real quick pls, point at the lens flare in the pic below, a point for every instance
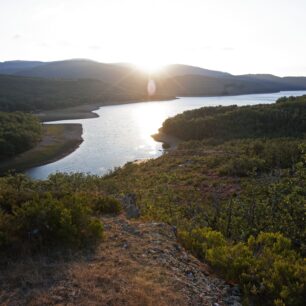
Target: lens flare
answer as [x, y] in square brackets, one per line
[151, 87]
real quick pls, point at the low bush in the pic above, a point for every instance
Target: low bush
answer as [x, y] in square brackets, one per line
[46, 222]
[267, 268]
[106, 205]
[242, 166]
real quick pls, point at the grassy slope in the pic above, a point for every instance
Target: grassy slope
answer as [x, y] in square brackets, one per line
[58, 141]
[138, 264]
[172, 182]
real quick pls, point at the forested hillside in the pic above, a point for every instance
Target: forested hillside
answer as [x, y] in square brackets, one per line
[18, 133]
[286, 118]
[34, 94]
[32, 86]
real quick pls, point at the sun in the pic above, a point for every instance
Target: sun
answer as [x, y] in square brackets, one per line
[149, 66]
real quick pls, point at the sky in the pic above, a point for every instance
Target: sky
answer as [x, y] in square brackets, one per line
[236, 36]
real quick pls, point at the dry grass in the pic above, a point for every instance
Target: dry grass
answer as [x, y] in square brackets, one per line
[136, 265]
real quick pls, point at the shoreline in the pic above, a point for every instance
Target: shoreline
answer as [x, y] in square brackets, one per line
[58, 141]
[169, 142]
[64, 145]
[86, 111]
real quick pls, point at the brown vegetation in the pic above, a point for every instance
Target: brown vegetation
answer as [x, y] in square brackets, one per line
[137, 264]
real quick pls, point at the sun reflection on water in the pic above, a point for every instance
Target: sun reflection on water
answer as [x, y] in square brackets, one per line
[149, 118]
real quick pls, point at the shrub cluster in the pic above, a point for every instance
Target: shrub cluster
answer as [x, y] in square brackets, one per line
[46, 222]
[106, 205]
[245, 157]
[266, 266]
[38, 215]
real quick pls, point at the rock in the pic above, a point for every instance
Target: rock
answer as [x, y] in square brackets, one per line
[235, 290]
[190, 274]
[125, 245]
[177, 247]
[232, 301]
[130, 205]
[174, 228]
[131, 229]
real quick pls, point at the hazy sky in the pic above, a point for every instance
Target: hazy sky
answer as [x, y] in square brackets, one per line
[237, 36]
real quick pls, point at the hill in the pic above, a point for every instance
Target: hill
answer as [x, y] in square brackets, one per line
[174, 80]
[78, 69]
[284, 118]
[198, 85]
[12, 67]
[35, 94]
[84, 69]
[137, 264]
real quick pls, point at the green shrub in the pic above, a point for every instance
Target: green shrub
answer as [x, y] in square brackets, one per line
[278, 272]
[266, 267]
[242, 166]
[46, 222]
[106, 205]
[200, 240]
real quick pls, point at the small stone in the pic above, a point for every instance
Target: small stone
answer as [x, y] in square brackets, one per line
[177, 247]
[130, 204]
[190, 274]
[125, 245]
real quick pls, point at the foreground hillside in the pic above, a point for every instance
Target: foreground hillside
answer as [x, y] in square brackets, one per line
[237, 203]
[136, 264]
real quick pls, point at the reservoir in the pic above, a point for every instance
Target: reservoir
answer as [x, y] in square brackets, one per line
[122, 133]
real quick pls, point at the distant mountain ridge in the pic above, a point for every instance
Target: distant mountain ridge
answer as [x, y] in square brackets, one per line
[174, 80]
[13, 67]
[84, 68]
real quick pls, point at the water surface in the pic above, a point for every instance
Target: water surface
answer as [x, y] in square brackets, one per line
[122, 133]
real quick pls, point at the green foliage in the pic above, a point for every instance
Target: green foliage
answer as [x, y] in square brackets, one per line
[218, 212]
[241, 166]
[267, 268]
[106, 205]
[18, 132]
[34, 215]
[201, 240]
[285, 119]
[46, 222]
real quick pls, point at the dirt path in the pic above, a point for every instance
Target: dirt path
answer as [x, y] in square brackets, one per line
[138, 264]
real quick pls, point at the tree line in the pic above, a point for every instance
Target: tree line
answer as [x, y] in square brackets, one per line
[286, 118]
[18, 133]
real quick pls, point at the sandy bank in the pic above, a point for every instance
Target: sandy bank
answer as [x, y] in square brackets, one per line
[58, 141]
